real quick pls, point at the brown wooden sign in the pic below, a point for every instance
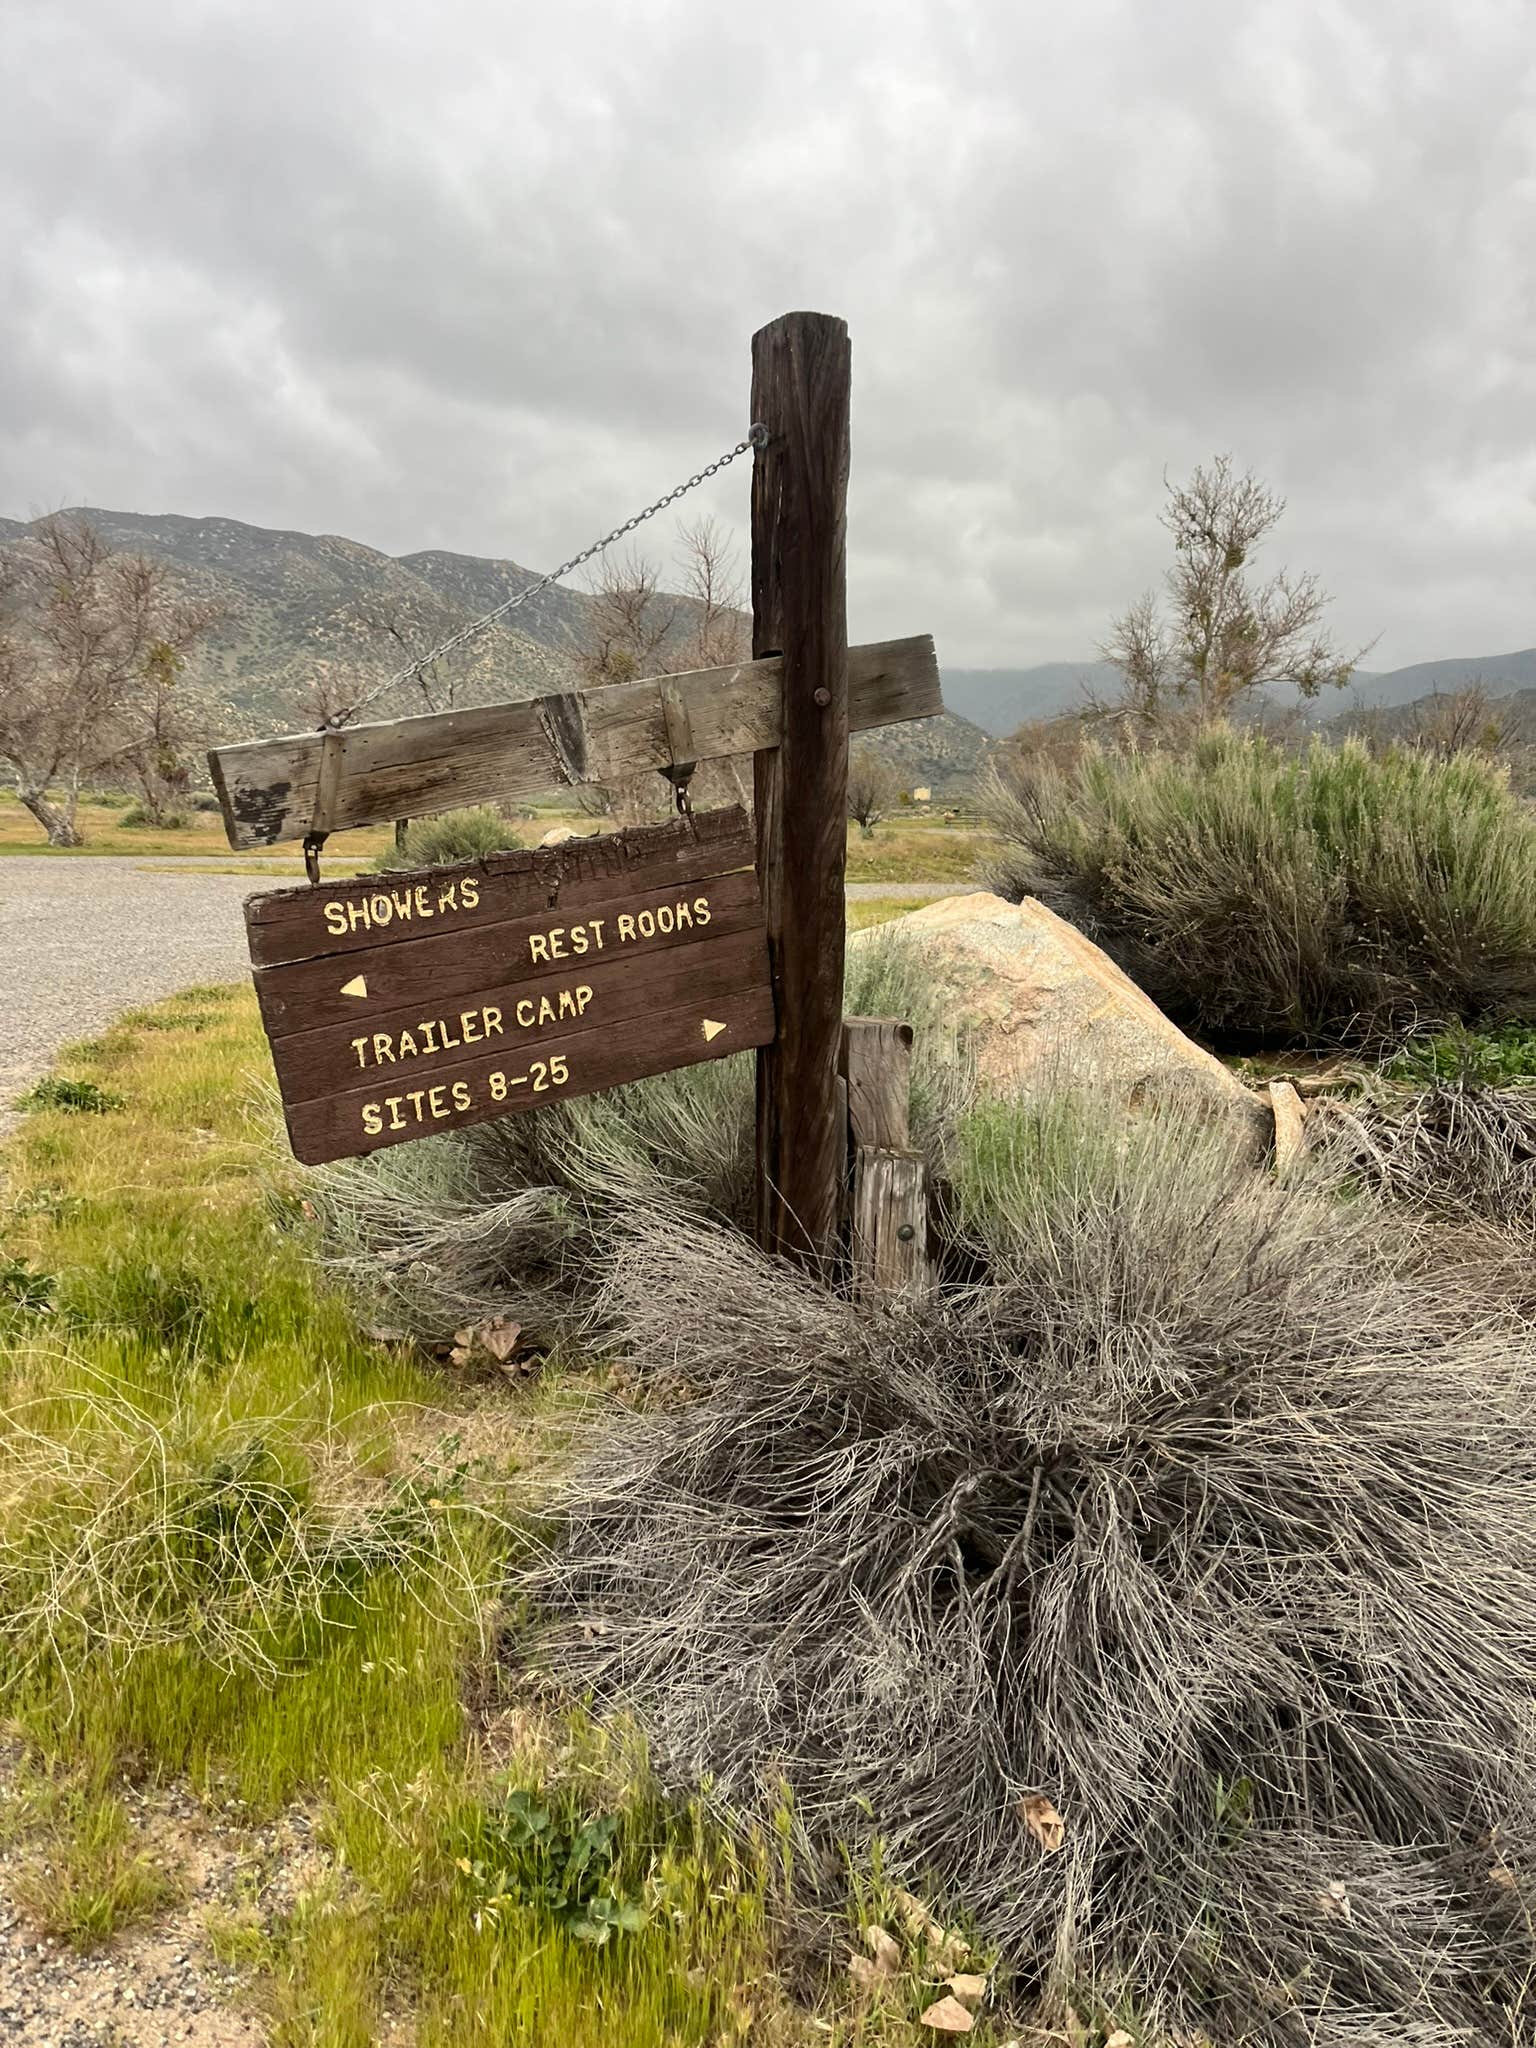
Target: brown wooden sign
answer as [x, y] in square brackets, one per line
[402, 1004]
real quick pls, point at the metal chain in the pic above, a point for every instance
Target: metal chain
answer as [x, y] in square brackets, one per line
[757, 436]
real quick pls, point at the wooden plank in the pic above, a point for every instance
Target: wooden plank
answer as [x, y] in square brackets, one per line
[409, 767]
[890, 1225]
[343, 917]
[392, 1048]
[368, 1119]
[305, 994]
[801, 375]
[876, 1062]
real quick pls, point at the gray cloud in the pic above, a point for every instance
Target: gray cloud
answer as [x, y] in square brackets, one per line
[483, 277]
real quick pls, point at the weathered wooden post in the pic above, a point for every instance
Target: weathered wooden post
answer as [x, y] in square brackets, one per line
[888, 1210]
[801, 376]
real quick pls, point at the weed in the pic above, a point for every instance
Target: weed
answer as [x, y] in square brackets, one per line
[86, 1880]
[23, 1290]
[74, 1098]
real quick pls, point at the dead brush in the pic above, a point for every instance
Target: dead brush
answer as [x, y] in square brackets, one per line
[1205, 1518]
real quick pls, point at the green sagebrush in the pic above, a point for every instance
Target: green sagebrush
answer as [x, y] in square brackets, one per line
[452, 836]
[1268, 896]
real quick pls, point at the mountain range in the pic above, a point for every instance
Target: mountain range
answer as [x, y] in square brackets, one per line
[295, 607]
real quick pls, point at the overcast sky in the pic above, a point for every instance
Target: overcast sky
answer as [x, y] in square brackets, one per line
[483, 276]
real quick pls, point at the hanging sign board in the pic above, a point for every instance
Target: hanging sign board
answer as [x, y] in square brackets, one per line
[398, 1005]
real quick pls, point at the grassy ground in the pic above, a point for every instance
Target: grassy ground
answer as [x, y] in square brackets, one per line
[918, 849]
[247, 1552]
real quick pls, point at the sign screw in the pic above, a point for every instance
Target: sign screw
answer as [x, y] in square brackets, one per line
[906, 1232]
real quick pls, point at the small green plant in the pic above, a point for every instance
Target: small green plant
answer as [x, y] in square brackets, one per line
[74, 1098]
[453, 836]
[85, 1880]
[1487, 1059]
[541, 1851]
[23, 1290]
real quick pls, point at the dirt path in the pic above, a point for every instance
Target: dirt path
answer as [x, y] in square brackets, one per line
[83, 940]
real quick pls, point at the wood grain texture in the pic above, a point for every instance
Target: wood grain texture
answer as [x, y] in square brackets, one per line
[340, 1126]
[890, 1225]
[306, 994]
[270, 790]
[391, 1048]
[293, 924]
[801, 377]
[876, 1063]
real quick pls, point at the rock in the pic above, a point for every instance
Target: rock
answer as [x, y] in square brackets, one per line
[559, 836]
[1039, 997]
[1290, 1114]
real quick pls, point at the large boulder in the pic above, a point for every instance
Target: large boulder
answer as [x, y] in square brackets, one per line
[1039, 998]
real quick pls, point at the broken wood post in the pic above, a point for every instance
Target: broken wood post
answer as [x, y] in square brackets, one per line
[888, 1225]
[801, 374]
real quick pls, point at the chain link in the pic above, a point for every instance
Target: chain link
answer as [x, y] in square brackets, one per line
[757, 436]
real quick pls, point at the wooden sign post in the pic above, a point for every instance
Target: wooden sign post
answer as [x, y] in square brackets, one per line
[800, 391]
[402, 1004]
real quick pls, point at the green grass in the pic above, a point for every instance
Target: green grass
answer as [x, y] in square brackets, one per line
[871, 910]
[244, 1549]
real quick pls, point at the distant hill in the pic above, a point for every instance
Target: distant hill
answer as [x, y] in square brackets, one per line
[999, 700]
[296, 603]
[1498, 674]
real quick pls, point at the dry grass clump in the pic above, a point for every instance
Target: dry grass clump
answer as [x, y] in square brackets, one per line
[1269, 896]
[128, 1524]
[1203, 1521]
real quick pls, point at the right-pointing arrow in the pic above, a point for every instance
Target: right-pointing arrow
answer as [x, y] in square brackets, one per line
[711, 1029]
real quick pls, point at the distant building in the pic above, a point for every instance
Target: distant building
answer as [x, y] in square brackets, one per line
[922, 795]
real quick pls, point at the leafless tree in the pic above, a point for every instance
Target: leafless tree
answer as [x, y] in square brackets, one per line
[163, 723]
[633, 618]
[873, 786]
[1223, 635]
[87, 637]
[638, 629]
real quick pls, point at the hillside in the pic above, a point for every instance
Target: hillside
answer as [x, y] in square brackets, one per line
[999, 700]
[296, 605]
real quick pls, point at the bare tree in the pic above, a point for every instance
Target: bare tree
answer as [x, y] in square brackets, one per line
[640, 630]
[712, 579]
[633, 618]
[84, 633]
[873, 786]
[164, 721]
[1224, 636]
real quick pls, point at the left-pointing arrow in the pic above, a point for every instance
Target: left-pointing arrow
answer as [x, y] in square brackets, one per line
[357, 986]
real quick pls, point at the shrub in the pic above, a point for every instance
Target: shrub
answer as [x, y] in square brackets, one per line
[1265, 896]
[1200, 1526]
[451, 836]
[137, 818]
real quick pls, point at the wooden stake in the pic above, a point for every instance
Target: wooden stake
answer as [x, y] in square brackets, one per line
[800, 391]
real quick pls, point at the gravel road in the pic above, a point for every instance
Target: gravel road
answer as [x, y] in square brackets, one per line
[83, 940]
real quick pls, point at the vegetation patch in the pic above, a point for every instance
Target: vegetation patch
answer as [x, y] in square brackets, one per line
[72, 1097]
[1265, 896]
[449, 837]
